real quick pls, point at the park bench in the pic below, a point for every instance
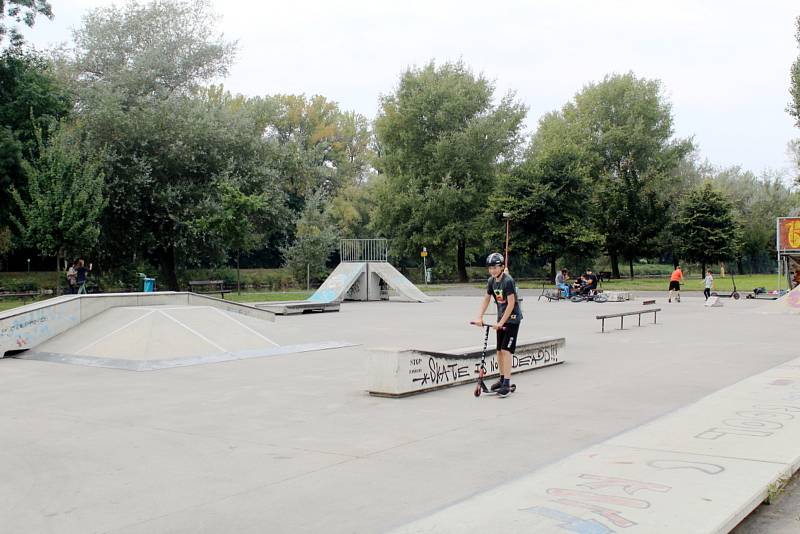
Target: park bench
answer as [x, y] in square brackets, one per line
[604, 276]
[622, 316]
[210, 286]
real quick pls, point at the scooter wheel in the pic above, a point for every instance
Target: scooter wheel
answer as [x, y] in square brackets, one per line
[513, 387]
[477, 392]
[735, 295]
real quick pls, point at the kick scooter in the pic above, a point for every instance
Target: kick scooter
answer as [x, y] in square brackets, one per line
[481, 387]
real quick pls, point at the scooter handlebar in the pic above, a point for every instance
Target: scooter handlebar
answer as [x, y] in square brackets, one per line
[485, 324]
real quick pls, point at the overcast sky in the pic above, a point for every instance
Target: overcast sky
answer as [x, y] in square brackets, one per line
[724, 64]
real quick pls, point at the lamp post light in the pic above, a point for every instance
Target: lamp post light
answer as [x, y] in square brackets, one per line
[29, 265]
[507, 217]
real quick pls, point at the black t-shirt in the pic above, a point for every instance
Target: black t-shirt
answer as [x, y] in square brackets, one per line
[82, 272]
[500, 292]
[592, 280]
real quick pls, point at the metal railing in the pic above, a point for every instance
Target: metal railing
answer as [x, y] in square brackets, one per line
[352, 250]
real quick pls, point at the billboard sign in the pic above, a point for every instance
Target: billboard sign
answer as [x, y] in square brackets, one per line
[788, 234]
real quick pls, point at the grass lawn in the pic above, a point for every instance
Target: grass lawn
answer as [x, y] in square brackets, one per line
[9, 303]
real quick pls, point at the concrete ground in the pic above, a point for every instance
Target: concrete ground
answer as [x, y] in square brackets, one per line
[292, 442]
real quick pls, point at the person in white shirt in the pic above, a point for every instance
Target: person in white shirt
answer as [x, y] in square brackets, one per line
[709, 283]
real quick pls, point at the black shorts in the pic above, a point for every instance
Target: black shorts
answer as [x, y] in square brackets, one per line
[507, 338]
[674, 284]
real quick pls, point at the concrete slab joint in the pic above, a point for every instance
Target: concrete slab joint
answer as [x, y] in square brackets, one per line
[399, 372]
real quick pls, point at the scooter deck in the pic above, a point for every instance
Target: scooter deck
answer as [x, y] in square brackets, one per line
[479, 391]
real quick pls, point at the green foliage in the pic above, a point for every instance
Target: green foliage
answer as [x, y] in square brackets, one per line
[61, 211]
[547, 196]
[150, 50]
[756, 203]
[706, 228]
[6, 240]
[315, 241]
[31, 100]
[442, 144]
[623, 126]
[313, 145]
[349, 211]
[21, 11]
[188, 174]
[794, 85]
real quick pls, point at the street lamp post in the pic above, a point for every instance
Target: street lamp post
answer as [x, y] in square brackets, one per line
[29, 265]
[507, 217]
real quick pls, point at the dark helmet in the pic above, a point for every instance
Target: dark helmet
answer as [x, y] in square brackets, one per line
[495, 258]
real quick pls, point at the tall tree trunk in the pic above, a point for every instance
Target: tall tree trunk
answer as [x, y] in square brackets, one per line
[168, 264]
[739, 264]
[614, 264]
[630, 263]
[461, 260]
[703, 271]
[553, 267]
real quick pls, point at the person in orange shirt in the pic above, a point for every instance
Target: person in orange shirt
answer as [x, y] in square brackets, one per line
[675, 284]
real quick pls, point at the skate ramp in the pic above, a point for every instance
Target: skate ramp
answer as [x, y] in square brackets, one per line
[338, 282]
[359, 281]
[789, 303]
[144, 338]
[402, 285]
[27, 327]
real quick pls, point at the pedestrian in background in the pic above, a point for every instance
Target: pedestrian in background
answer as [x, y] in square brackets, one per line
[675, 284]
[708, 282]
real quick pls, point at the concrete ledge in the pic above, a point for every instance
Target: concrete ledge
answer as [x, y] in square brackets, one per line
[399, 373]
[27, 326]
[300, 306]
[700, 469]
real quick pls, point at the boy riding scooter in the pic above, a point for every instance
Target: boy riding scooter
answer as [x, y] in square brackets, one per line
[502, 289]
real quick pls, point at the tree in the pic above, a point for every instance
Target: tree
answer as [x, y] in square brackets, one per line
[706, 228]
[442, 145]
[150, 50]
[174, 149]
[756, 202]
[546, 197]
[794, 86]
[313, 144]
[793, 149]
[236, 220]
[315, 241]
[24, 11]
[60, 213]
[31, 101]
[624, 127]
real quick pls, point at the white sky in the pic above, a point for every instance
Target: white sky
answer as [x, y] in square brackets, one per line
[724, 64]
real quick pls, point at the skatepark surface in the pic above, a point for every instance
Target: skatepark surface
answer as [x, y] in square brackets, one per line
[292, 443]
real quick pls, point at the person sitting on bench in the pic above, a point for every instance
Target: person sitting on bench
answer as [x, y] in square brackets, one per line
[561, 283]
[579, 285]
[591, 283]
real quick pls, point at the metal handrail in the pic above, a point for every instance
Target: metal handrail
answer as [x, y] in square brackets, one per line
[357, 250]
